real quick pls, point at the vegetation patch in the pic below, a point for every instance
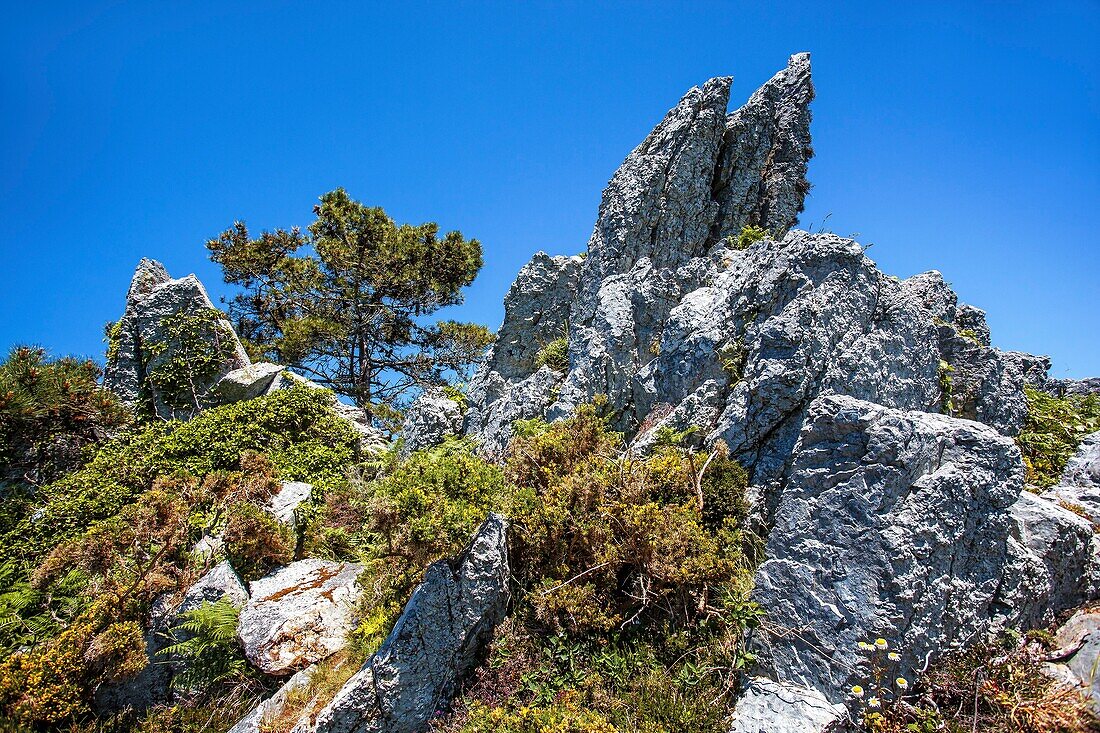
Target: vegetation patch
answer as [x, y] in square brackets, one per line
[554, 354]
[991, 687]
[1053, 431]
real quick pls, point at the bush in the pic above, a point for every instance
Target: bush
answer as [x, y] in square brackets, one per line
[50, 410]
[1053, 431]
[255, 541]
[554, 354]
[747, 236]
[209, 657]
[296, 429]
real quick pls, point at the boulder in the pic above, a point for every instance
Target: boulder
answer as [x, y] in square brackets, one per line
[432, 417]
[1049, 561]
[284, 504]
[766, 706]
[248, 382]
[145, 341]
[299, 614]
[1077, 658]
[437, 641]
[893, 524]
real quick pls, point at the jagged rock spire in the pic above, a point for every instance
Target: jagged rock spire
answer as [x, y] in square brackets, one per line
[702, 174]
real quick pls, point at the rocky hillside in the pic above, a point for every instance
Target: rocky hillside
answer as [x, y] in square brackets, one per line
[716, 473]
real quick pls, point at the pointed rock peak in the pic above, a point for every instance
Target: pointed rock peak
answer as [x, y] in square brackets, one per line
[148, 275]
[761, 177]
[657, 204]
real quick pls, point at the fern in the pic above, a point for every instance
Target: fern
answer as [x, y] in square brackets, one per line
[208, 655]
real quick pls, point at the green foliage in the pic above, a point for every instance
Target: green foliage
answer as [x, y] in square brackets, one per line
[295, 428]
[947, 399]
[748, 235]
[554, 354]
[50, 410]
[733, 357]
[255, 541]
[209, 655]
[350, 313]
[1053, 431]
[183, 365]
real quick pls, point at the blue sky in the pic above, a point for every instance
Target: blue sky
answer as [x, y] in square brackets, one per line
[963, 137]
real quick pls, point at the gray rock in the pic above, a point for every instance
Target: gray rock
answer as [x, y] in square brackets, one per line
[284, 504]
[1078, 655]
[893, 525]
[298, 615]
[1048, 563]
[153, 685]
[676, 326]
[247, 382]
[774, 707]
[436, 642]
[140, 344]
[971, 320]
[1079, 486]
[432, 417]
[264, 714]
[1073, 387]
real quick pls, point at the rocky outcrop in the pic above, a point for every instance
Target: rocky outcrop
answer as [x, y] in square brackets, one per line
[893, 524]
[679, 325]
[766, 706]
[437, 641]
[153, 685]
[429, 420]
[298, 615]
[166, 323]
[248, 382]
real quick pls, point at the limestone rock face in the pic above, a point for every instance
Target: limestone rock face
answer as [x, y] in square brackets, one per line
[298, 615]
[677, 326]
[142, 342]
[766, 706]
[1049, 562]
[893, 524]
[430, 419]
[437, 640]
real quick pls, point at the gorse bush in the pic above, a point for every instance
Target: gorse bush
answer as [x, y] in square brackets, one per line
[554, 354]
[50, 410]
[1053, 431]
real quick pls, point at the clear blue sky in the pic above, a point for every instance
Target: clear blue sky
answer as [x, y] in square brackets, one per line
[963, 137]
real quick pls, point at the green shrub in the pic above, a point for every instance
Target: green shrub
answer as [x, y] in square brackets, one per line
[748, 235]
[554, 354]
[295, 428]
[255, 541]
[1053, 431]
